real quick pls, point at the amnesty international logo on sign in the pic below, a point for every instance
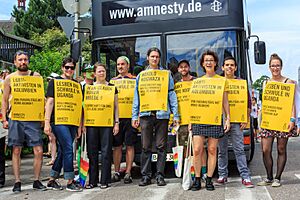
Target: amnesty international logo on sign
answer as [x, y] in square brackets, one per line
[206, 100]
[237, 97]
[125, 96]
[153, 90]
[277, 104]
[99, 105]
[182, 90]
[28, 98]
[68, 102]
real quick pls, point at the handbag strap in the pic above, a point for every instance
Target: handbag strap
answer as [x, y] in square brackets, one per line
[177, 139]
[189, 145]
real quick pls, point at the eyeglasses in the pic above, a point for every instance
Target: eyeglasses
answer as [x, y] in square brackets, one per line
[69, 67]
[209, 61]
[275, 66]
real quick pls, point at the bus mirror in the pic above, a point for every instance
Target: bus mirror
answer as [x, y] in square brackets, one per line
[75, 49]
[260, 52]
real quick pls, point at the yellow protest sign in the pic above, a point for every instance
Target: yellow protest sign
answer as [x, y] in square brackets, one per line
[28, 98]
[238, 100]
[99, 105]
[1, 95]
[182, 90]
[206, 101]
[125, 96]
[68, 102]
[153, 90]
[277, 104]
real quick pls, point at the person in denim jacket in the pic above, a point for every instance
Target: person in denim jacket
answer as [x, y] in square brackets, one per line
[156, 120]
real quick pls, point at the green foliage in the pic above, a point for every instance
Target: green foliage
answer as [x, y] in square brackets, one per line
[258, 84]
[40, 16]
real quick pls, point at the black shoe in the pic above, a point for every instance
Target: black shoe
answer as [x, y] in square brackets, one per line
[196, 185]
[37, 185]
[17, 187]
[160, 181]
[1, 185]
[54, 185]
[145, 181]
[73, 187]
[209, 186]
[116, 177]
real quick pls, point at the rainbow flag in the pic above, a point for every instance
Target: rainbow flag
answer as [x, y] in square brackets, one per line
[175, 159]
[83, 171]
[193, 173]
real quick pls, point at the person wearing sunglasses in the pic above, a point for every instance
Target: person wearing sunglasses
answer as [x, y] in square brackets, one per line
[64, 134]
[22, 130]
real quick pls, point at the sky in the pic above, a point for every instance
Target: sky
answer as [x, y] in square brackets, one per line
[276, 22]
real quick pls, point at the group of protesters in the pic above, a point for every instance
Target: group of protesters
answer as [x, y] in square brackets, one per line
[113, 128]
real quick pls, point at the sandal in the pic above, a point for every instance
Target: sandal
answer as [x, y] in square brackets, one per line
[48, 155]
[104, 186]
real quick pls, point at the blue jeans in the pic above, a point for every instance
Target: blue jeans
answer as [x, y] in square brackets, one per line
[65, 135]
[237, 139]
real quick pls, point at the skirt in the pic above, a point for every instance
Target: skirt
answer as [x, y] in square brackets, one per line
[213, 131]
[265, 133]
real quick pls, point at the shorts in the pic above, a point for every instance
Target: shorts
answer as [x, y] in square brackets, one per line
[183, 135]
[255, 124]
[127, 134]
[21, 131]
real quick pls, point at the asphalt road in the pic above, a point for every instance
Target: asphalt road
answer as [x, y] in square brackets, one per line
[290, 189]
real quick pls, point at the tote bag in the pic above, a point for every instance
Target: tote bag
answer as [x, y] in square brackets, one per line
[84, 162]
[177, 157]
[188, 170]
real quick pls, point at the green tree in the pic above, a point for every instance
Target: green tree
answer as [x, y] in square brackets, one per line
[40, 16]
[258, 84]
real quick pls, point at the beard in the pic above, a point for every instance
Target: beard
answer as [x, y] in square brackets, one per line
[23, 68]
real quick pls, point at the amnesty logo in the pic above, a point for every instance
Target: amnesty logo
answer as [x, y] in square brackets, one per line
[216, 6]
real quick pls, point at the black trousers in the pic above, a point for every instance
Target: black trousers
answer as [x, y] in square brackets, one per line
[159, 127]
[2, 161]
[99, 137]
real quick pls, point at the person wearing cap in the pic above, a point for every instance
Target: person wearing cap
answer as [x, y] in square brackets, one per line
[127, 134]
[156, 121]
[88, 75]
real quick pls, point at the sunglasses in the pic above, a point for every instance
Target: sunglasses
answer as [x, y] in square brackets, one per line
[69, 67]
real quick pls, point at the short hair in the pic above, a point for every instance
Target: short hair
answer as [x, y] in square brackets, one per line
[98, 64]
[20, 52]
[184, 61]
[153, 49]
[275, 56]
[68, 60]
[209, 53]
[125, 58]
[229, 58]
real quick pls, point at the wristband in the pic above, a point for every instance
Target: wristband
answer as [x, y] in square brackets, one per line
[116, 122]
[293, 120]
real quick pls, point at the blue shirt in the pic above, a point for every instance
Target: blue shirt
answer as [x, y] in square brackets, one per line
[160, 114]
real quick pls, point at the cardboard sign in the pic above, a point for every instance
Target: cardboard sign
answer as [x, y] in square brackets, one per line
[99, 105]
[182, 90]
[206, 101]
[238, 100]
[28, 98]
[68, 102]
[277, 104]
[153, 90]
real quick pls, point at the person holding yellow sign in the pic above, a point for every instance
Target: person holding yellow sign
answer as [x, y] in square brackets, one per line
[101, 119]
[125, 84]
[154, 100]
[209, 96]
[269, 134]
[239, 104]
[25, 116]
[62, 121]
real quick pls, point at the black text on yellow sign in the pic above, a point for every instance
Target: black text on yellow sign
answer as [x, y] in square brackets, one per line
[28, 99]
[206, 101]
[125, 96]
[182, 90]
[277, 104]
[99, 105]
[153, 90]
[68, 102]
[238, 100]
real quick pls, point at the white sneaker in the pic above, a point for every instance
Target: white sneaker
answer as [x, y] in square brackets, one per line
[276, 183]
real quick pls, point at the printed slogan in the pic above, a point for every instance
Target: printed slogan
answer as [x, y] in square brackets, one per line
[182, 90]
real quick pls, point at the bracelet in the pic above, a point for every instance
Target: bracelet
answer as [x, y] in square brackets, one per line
[117, 122]
[293, 120]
